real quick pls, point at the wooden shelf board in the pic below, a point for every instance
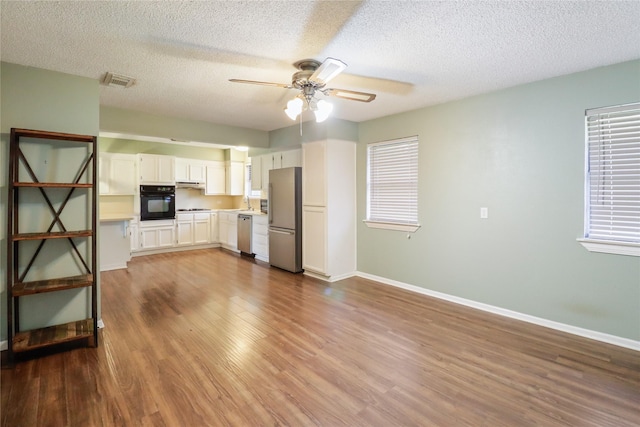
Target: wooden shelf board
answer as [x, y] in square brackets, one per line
[29, 133]
[51, 185]
[51, 285]
[43, 337]
[52, 235]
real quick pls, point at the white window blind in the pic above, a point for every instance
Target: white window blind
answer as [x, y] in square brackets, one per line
[613, 174]
[392, 181]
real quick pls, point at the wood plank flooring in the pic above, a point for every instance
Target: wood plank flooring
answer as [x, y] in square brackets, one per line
[207, 338]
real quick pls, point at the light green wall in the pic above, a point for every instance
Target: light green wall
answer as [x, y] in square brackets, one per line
[38, 99]
[519, 152]
[137, 123]
[289, 137]
[129, 146]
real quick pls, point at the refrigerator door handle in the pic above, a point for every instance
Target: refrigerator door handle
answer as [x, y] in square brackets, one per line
[269, 210]
[271, 230]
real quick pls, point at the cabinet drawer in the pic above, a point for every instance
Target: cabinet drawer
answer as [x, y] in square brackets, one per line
[260, 229]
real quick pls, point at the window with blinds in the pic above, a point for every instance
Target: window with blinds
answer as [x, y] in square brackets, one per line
[613, 174]
[392, 184]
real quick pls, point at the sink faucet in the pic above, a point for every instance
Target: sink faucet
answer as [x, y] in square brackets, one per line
[249, 208]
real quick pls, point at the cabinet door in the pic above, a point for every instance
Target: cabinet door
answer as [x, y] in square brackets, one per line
[184, 230]
[223, 232]
[147, 168]
[313, 174]
[104, 170]
[166, 169]
[291, 158]
[166, 237]
[267, 165]
[123, 175]
[182, 169]
[314, 243]
[201, 233]
[235, 178]
[213, 226]
[256, 173]
[197, 171]
[133, 235]
[215, 178]
[149, 238]
[276, 160]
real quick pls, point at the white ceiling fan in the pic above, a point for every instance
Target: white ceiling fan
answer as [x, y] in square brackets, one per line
[313, 77]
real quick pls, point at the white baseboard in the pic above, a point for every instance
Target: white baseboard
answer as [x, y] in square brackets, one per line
[586, 333]
[329, 278]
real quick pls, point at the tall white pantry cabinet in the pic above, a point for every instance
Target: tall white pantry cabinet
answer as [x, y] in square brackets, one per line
[329, 209]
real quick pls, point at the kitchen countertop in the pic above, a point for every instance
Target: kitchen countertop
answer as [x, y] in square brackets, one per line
[113, 217]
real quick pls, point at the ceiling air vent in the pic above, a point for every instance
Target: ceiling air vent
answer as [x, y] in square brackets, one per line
[118, 80]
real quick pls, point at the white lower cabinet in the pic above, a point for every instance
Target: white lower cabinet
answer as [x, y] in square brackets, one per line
[213, 224]
[201, 224]
[133, 235]
[314, 242]
[160, 235]
[228, 231]
[184, 229]
[260, 237]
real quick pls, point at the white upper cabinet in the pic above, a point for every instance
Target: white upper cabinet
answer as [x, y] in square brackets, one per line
[156, 169]
[190, 170]
[256, 173]
[215, 179]
[277, 160]
[314, 170]
[117, 174]
[234, 175]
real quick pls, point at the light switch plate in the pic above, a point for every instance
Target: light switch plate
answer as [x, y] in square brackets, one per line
[484, 213]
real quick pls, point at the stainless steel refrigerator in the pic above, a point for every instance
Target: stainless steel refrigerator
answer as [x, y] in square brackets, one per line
[285, 218]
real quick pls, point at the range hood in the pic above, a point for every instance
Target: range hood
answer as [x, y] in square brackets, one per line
[190, 184]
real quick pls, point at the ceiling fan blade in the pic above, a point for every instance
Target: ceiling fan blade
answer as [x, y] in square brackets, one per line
[350, 94]
[330, 68]
[254, 82]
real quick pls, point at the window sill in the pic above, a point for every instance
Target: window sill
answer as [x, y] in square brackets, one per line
[610, 247]
[410, 228]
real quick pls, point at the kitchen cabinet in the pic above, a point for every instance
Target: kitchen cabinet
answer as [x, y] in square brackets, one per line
[256, 173]
[329, 209]
[215, 178]
[228, 229]
[117, 174]
[190, 170]
[314, 238]
[213, 227]
[157, 234]
[133, 235]
[260, 237]
[201, 225]
[234, 178]
[155, 169]
[184, 229]
[276, 160]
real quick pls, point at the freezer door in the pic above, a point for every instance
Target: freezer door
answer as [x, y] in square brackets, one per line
[284, 197]
[284, 250]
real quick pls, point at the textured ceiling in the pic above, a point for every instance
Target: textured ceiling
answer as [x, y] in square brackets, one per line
[411, 54]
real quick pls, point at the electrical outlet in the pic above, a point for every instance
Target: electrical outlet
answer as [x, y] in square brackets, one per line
[484, 213]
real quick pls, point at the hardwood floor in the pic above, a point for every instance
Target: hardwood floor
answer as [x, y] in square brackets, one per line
[207, 338]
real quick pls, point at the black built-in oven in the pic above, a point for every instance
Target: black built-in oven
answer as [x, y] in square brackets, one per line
[157, 202]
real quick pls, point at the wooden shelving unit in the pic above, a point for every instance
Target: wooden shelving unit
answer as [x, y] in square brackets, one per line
[22, 177]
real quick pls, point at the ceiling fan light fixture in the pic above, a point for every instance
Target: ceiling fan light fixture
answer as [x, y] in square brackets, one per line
[323, 110]
[294, 108]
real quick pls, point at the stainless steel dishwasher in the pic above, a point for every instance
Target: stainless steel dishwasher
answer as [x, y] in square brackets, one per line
[244, 234]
